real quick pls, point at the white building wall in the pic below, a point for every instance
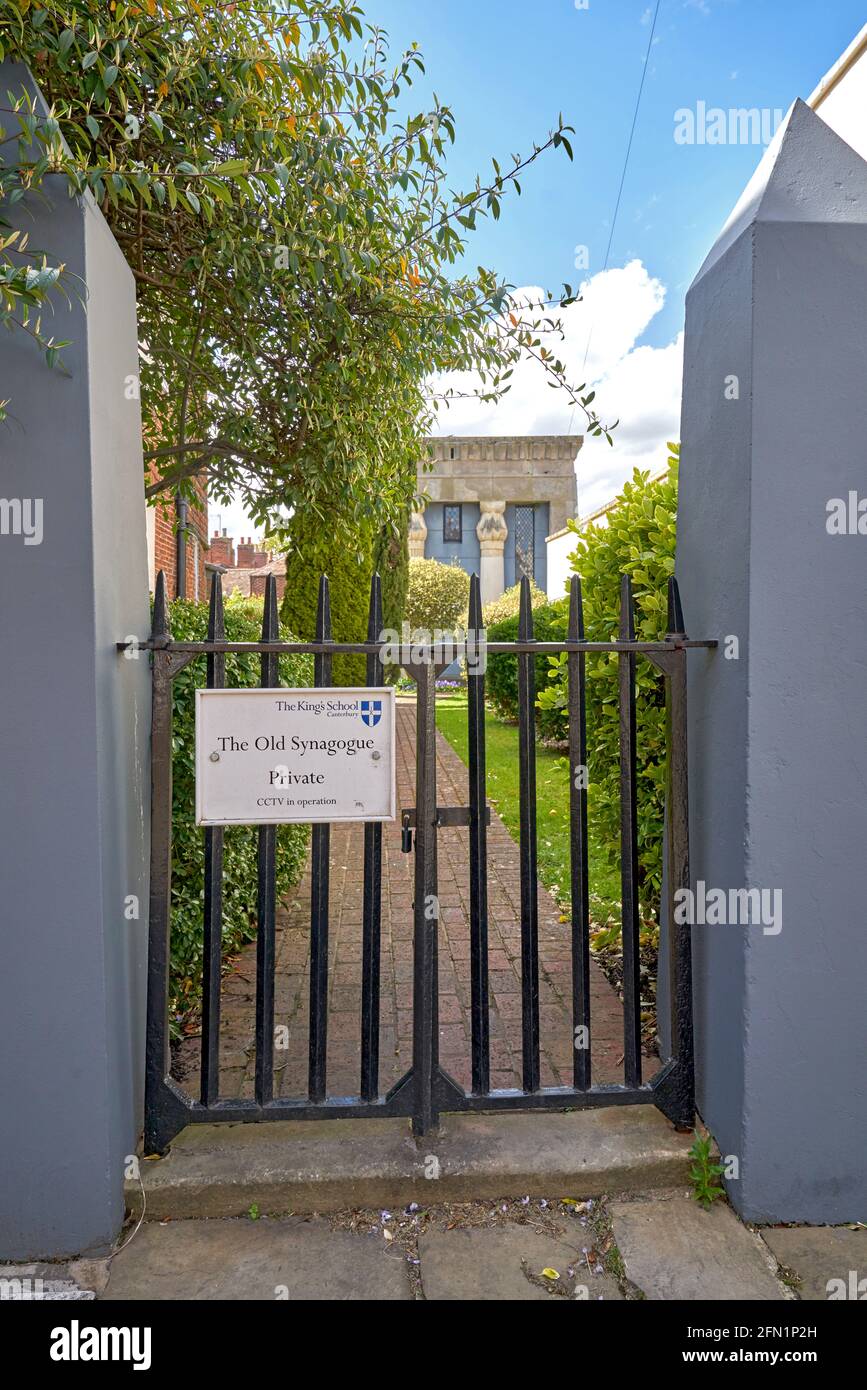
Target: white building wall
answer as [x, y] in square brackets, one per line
[559, 548]
[841, 97]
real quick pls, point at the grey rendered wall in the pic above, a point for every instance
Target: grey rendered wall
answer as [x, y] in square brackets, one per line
[467, 552]
[778, 751]
[74, 724]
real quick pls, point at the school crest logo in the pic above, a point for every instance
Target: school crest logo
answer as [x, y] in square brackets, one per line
[371, 712]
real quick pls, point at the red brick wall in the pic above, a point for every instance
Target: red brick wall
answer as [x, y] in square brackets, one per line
[257, 585]
[165, 542]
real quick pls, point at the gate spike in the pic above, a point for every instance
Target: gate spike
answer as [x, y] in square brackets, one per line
[323, 611]
[216, 627]
[525, 621]
[576, 610]
[161, 629]
[270, 620]
[374, 611]
[676, 624]
[627, 612]
[475, 619]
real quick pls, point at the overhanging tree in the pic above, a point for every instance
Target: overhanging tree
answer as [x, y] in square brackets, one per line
[293, 239]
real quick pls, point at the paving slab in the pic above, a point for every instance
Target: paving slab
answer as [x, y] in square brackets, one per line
[830, 1261]
[481, 1264]
[327, 1165]
[290, 1260]
[673, 1249]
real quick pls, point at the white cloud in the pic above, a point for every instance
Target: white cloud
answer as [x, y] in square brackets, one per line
[639, 385]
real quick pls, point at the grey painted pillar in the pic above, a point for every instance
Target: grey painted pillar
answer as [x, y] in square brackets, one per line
[774, 427]
[74, 725]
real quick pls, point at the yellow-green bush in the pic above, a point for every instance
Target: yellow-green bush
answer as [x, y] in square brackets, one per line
[508, 605]
[438, 596]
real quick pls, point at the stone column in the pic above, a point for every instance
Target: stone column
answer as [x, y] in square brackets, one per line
[774, 427]
[492, 532]
[417, 535]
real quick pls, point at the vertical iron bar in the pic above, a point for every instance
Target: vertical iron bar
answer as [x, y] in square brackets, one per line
[371, 907]
[528, 853]
[266, 897]
[629, 845]
[580, 878]
[157, 1045]
[479, 1003]
[425, 905]
[320, 863]
[212, 953]
[680, 934]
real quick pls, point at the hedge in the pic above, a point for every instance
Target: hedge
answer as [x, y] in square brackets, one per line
[391, 561]
[316, 549]
[189, 622]
[638, 540]
[550, 624]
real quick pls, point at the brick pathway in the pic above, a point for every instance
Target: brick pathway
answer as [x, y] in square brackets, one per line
[344, 1021]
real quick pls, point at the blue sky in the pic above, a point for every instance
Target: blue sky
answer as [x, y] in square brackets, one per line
[507, 69]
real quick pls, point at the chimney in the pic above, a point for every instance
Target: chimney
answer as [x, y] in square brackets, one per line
[246, 551]
[260, 558]
[222, 550]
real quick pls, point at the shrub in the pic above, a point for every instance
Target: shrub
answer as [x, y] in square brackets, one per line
[189, 622]
[438, 596]
[316, 549]
[550, 624]
[639, 540]
[508, 605]
[391, 561]
[313, 551]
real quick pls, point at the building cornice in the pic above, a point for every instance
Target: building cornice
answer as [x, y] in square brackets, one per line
[499, 448]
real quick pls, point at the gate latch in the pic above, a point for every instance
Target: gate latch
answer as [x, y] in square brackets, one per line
[447, 817]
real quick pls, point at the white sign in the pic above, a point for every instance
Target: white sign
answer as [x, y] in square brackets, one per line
[268, 757]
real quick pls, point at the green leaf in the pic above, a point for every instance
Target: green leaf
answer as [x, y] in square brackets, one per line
[232, 166]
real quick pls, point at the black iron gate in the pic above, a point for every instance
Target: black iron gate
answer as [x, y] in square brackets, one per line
[426, 1090]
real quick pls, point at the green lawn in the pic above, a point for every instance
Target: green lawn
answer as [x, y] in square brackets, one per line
[552, 805]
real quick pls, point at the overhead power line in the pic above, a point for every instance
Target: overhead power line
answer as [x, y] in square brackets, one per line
[623, 175]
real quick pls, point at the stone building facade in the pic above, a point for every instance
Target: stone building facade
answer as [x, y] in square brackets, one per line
[492, 502]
